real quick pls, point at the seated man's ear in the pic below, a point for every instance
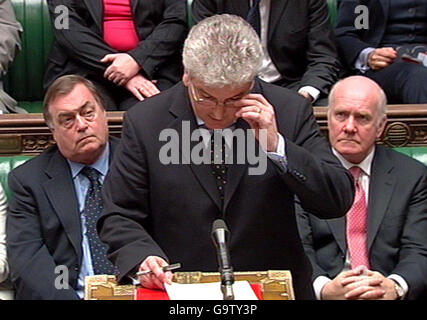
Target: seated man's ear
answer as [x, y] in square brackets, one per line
[186, 79]
[381, 126]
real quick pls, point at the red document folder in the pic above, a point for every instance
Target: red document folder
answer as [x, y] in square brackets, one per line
[151, 294]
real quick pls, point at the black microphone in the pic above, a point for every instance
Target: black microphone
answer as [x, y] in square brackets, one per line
[220, 236]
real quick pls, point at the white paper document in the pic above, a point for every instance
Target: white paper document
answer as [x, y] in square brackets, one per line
[208, 291]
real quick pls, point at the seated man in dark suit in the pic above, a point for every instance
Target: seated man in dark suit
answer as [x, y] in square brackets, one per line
[167, 206]
[52, 240]
[130, 49]
[379, 249]
[394, 29]
[297, 39]
[10, 44]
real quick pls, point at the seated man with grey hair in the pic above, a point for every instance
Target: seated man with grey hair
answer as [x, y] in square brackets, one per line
[379, 249]
[52, 243]
[159, 212]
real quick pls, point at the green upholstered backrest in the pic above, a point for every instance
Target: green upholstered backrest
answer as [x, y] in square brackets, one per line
[332, 6]
[418, 153]
[6, 165]
[190, 19]
[25, 77]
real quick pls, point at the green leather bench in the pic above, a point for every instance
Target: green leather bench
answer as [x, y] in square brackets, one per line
[7, 163]
[25, 77]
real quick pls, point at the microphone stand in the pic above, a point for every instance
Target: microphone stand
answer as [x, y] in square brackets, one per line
[219, 233]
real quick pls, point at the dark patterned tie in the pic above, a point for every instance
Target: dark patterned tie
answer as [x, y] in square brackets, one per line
[254, 17]
[218, 158]
[92, 210]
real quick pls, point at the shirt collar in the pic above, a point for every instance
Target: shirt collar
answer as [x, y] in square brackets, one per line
[101, 164]
[201, 123]
[365, 165]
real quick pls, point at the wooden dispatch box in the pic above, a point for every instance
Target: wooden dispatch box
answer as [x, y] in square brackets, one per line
[274, 284]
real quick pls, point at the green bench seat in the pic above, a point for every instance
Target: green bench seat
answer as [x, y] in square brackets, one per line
[7, 163]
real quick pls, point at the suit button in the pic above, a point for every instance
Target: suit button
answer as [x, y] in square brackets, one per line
[76, 268]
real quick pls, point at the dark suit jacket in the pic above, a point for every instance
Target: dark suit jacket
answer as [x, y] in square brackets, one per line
[43, 226]
[352, 41]
[168, 210]
[300, 39]
[397, 224]
[161, 26]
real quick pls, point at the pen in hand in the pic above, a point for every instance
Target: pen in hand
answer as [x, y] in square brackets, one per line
[164, 269]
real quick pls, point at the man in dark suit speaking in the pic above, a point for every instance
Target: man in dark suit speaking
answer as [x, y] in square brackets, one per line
[379, 250]
[52, 240]
[156, 213]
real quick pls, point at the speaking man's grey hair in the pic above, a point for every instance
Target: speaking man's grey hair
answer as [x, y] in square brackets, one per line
[222, 50]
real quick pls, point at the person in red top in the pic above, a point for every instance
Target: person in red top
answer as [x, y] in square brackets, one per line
[130, 49]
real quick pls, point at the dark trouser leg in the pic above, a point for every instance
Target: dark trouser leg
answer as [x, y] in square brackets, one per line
[402, 82]
[107, 92]
[118, 98]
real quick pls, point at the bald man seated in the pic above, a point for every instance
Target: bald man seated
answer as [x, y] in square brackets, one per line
[379, 249]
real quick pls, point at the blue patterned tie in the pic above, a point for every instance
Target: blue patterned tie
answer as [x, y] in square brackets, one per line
[93, 209]
[254, 17]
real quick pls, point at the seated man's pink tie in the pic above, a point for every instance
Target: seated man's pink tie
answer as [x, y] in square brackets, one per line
[357, 225]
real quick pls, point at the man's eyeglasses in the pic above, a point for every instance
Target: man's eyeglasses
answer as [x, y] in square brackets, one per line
[212, 102]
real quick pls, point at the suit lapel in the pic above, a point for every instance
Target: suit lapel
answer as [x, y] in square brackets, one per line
[337, 227]
[380, 10]
[380, 191]
[95, 7]
[386, 6]
[60, 191]
[182, 111]
[114, 142]
[276, 13]
[133, 4]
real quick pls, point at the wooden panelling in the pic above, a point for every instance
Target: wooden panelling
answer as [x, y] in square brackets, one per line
[28, 133]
